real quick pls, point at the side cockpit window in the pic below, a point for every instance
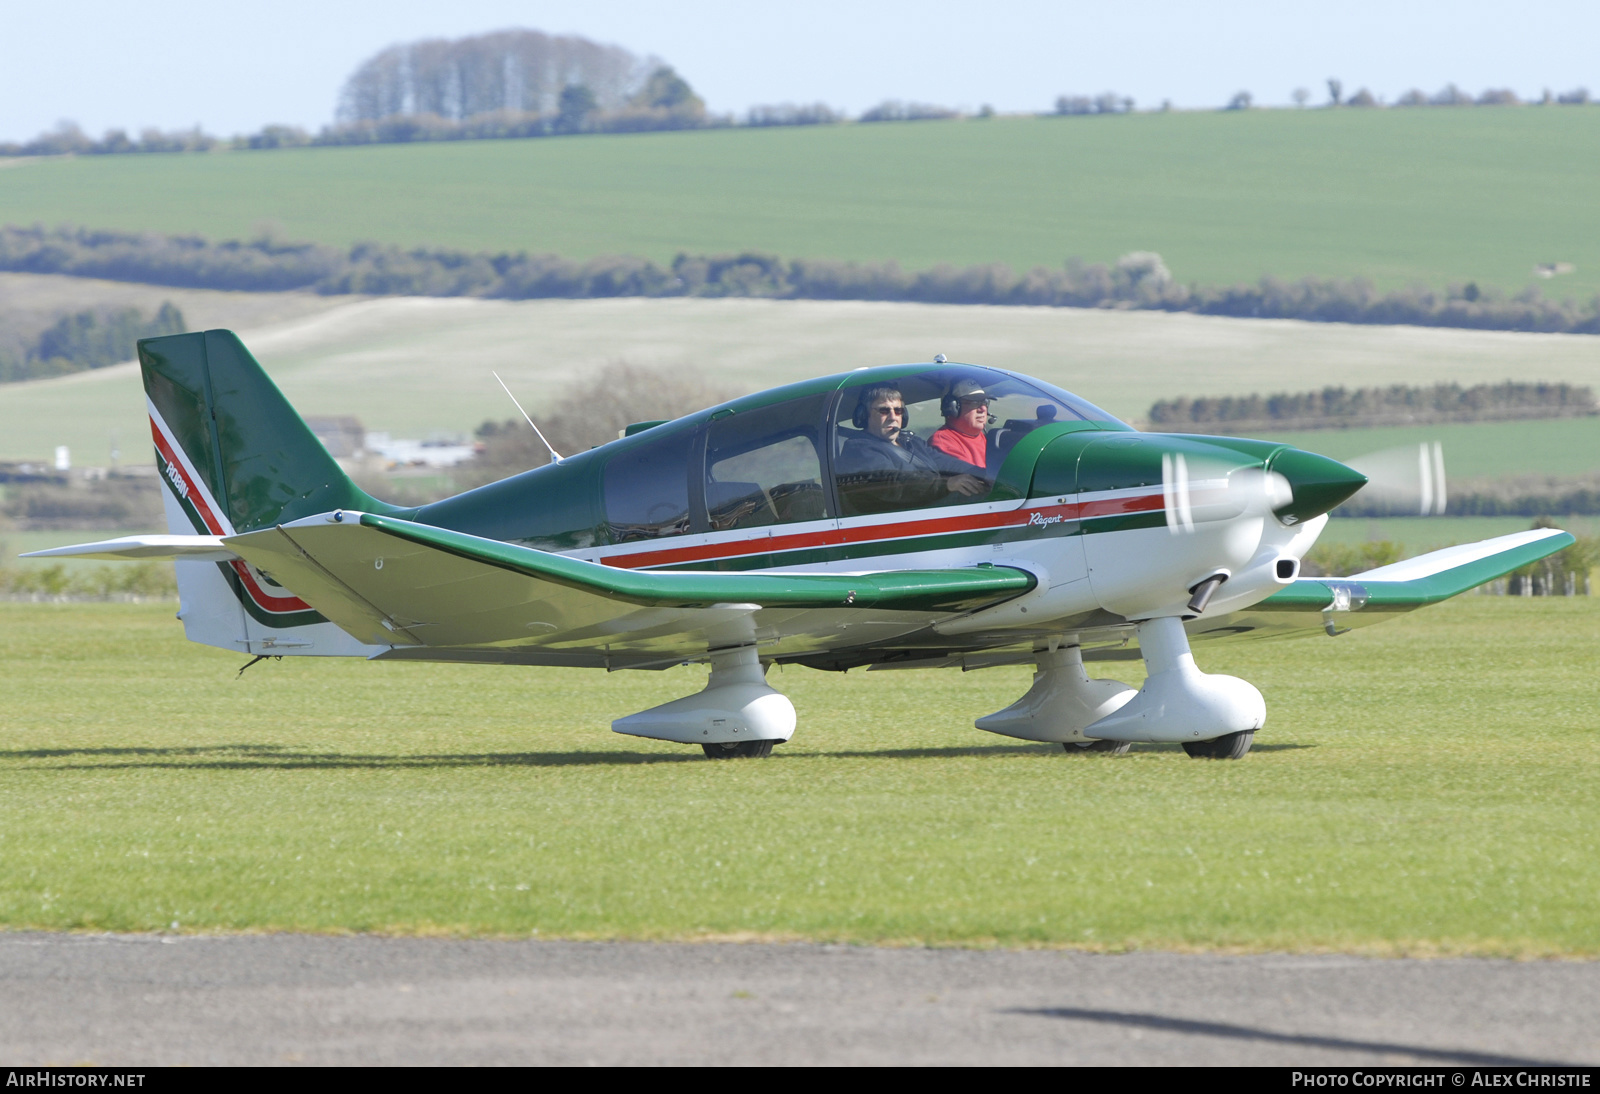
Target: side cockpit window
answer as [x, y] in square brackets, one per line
[647, 489]
[764, 466]
[933, 438]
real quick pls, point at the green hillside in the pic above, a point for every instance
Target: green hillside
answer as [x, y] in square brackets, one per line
[1396, 195]
[414, 366]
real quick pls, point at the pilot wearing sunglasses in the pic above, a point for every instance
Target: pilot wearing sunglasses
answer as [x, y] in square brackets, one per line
[886, 446]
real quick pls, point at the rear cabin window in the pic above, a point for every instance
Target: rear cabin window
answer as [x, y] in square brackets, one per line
[764, 466]
[647, 489]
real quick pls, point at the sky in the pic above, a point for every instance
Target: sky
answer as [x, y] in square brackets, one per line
[232, 68]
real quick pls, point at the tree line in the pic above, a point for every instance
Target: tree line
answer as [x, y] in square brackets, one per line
[1398, 404]
[504, 85]
[1138, 280]
[1449, 95]
[87, 340]
[486, 88]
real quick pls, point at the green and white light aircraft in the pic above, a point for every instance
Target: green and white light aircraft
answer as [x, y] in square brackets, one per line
[824, 524]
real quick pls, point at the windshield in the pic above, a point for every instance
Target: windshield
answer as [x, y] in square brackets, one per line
[937, 437]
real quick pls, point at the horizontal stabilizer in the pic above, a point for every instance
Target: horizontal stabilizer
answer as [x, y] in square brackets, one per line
[146, 549]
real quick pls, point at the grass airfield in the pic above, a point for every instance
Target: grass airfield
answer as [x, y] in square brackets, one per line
[1425, 787]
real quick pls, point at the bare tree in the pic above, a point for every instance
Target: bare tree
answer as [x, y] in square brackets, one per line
[594, 412]
[1335, 91]
[1301, 96]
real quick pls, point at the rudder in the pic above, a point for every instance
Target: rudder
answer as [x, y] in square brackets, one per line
[236, 457]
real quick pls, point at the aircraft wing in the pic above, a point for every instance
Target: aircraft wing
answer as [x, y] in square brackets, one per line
[1333, 605]
[435, 594]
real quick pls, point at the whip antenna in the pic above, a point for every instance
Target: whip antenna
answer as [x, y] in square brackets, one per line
[555, 457]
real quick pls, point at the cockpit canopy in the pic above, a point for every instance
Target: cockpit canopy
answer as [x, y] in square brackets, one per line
[793, 456]
[819, 454]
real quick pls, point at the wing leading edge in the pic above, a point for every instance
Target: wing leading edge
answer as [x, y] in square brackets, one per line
[441, 595]
[1333, 605]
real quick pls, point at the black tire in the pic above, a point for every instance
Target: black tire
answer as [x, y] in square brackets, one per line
[736, 749]
[1230, 746]
[1115, 748]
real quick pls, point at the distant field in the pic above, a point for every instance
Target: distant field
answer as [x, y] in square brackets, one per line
[1426, 786]
[1396, 195]
[1473, 450]
[1420, 534]
[416, 366]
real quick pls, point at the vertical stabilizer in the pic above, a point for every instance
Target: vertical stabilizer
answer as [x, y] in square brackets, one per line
[234, 457]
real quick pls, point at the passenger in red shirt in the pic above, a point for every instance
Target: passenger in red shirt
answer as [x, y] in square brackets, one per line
[966, 413]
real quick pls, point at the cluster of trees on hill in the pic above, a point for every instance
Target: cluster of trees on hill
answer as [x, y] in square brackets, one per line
[1137, 280]
[513, 83]
[87, 340]
[1108, 102]
[1399, 404]
[1449, 95]
[893, 110]
[511, 71]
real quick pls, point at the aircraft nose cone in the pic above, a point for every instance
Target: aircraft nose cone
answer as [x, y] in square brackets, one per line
[1319, 484]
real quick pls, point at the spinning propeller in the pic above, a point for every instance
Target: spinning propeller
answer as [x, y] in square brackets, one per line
[1409, 478]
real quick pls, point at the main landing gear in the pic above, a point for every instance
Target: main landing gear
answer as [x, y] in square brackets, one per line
[1230, 746]
[1114, 748]
[736, 715]
[738, 749]
[1212, 716]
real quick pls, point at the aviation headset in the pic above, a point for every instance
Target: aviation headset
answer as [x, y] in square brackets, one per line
[950, 405]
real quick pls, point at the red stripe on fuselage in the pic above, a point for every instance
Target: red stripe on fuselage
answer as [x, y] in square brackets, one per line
[213, 521]
[874, 533]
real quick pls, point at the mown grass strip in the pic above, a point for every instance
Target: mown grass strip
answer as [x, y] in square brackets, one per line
[1429, 786]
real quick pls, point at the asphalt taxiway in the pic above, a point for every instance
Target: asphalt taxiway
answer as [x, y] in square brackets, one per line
[287, 999]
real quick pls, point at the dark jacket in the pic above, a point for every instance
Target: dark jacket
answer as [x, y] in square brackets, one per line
[870, 453]
[875, 476]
